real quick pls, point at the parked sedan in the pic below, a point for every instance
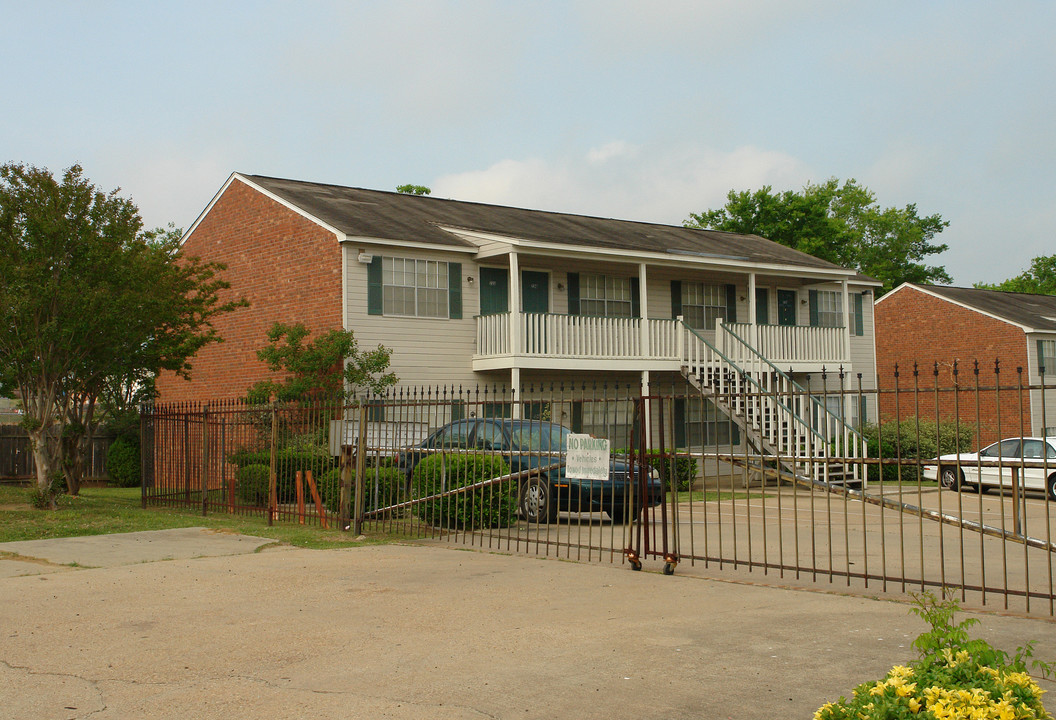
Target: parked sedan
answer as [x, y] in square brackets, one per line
[526, 444]
[1031, 460]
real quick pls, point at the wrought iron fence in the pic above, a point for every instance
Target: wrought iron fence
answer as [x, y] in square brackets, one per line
[687, 489]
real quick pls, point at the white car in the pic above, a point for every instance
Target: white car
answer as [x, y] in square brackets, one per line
[1031, 460]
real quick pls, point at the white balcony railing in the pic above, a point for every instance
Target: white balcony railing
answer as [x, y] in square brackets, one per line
[546, 335]
[782, 345]
[578, 336]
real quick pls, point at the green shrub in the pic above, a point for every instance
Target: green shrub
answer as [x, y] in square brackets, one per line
[287, 462]
[487, 507]
[384, 486]
[122, 462]
[679, 469]
[253, 483]
[915, 440]
[955, 677]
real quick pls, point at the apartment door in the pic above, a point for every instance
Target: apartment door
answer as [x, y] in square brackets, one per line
[786, 307]
[494, 291]
[535, 291]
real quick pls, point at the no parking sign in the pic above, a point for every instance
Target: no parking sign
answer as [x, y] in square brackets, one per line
[587, 458]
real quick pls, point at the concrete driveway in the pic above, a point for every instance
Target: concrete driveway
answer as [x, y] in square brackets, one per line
[185, 629]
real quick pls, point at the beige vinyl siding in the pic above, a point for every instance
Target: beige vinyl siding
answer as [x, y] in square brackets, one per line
[1041, 417]
[425, 351]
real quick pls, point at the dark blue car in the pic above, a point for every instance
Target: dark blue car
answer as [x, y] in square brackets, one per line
[526, 444]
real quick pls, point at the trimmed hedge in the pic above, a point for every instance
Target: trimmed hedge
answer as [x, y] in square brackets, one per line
[494, 506]
[287, 462]
[388, 480]
[122, 462]
[915, 440]
[252, 483]
[681, 470]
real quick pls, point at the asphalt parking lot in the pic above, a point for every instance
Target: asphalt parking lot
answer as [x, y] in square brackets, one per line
[197, 624]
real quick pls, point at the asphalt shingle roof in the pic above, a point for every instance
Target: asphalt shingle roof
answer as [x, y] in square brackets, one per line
[416, 218]
[1033, 311]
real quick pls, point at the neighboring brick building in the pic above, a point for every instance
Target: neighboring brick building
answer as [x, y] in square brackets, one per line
[935, 329]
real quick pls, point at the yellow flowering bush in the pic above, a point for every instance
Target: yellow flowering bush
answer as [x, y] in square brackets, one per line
[956, 678]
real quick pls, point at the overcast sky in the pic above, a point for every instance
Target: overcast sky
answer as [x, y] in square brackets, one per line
[636, 110]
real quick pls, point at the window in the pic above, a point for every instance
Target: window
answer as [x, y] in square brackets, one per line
[414, 288]
[698, 423]
[703, 304]
[826, 308]
[604, 418]
[605, 296]
[1047, 356]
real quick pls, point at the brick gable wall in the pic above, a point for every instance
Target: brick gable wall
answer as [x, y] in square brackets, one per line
[915, 327]
[288, 268]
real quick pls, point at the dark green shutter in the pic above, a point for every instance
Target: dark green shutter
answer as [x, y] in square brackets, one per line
[573, 293]
[680, 422]
[762, 306]
[1043, 362]
[859, 314]
[454, 291]
[731, 303]
[636, 298]
[458, 410]
[374, 293]
[813, 294]
[577, 416]
[676, 298]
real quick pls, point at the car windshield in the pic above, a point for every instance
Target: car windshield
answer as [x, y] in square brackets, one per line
[541, 436]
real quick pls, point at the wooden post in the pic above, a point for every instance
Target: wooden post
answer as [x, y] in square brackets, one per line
[361, 467]
[300, 496]
[316, 499]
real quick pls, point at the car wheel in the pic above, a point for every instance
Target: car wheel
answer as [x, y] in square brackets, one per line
[535, 502]
[950, 478]
[1050, 487]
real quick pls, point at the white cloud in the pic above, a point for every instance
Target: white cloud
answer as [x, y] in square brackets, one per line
[618, 179]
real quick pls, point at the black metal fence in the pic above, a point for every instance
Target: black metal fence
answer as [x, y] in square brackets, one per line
[689, 486]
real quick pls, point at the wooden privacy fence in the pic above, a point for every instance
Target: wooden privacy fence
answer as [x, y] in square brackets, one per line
[16, 456]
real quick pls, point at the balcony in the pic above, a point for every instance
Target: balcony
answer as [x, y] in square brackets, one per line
[576, 342]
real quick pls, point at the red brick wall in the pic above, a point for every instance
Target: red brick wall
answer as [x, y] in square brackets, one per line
[913, 326]
[288, 268]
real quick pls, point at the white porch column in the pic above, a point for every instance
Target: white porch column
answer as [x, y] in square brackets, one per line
[515, 332]
[848, 320]
[752, 310]
[515, 385]
[643, 304]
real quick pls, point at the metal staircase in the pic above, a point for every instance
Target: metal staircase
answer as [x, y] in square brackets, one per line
[789, 428]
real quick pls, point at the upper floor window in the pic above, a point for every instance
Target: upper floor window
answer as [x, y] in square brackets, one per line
[605, 296]
[416, 288]
[1047, 356]
[703, 304]
[826, 308]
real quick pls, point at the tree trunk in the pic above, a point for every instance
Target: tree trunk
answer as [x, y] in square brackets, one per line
[38, 440]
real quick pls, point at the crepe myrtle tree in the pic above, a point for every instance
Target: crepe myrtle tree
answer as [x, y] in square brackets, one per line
[325, 368]
[88, 297]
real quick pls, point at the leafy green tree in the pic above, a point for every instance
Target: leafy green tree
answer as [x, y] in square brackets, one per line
[88, 297]
[413, 190]
[327, 367]
[1040, 279]
[843, 224]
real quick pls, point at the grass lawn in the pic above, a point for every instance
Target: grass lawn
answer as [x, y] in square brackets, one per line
[99, 511]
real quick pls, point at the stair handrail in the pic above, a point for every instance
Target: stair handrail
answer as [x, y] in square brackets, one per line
[763, 392]
[788, 378]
